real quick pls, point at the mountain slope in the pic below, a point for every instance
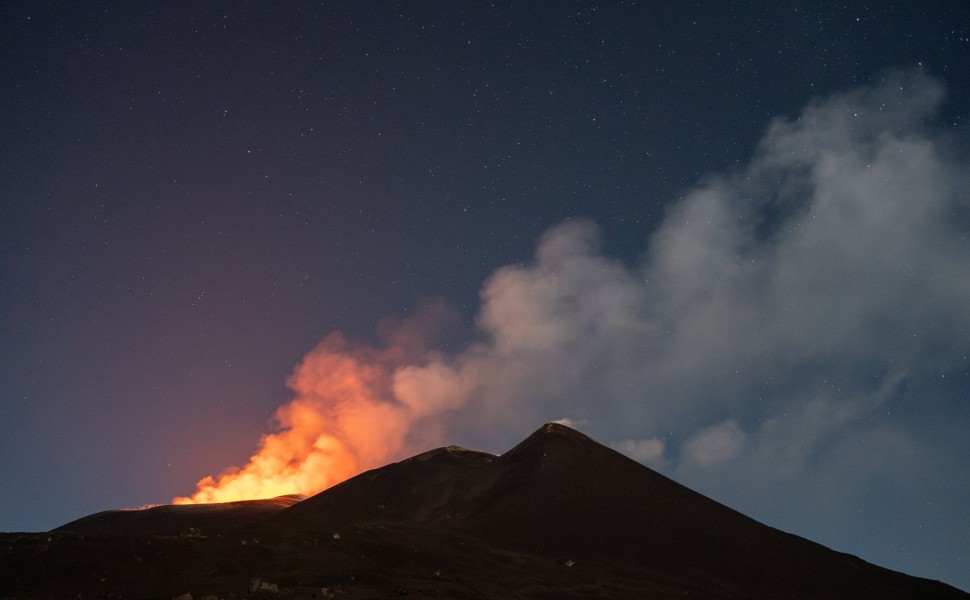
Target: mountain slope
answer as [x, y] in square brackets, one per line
[561, 494]
[180, 519]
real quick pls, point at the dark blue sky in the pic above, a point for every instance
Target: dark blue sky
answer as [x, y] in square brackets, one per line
[193, 195]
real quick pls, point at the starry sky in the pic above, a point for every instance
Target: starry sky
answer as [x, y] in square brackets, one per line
[729, 239]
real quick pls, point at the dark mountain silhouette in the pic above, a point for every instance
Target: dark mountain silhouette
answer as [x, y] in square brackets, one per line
[558, 516]
[561, 494]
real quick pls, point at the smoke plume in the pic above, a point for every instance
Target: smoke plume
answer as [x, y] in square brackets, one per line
[778, 315]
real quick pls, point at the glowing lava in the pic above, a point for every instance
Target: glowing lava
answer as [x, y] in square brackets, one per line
[344, 420]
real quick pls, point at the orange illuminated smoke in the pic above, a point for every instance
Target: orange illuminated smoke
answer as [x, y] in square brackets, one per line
[345, 419]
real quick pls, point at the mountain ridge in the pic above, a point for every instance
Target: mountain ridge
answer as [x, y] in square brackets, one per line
[558, 515]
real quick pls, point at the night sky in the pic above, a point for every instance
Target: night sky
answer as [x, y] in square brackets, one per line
[730, 239]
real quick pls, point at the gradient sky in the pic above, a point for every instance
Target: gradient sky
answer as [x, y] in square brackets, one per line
[730, 239]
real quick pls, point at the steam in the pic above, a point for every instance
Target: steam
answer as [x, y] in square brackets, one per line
[777, 311]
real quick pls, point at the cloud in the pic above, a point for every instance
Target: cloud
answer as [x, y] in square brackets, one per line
[819, 449]
[715, 444]
[649, 451]
[786, 297]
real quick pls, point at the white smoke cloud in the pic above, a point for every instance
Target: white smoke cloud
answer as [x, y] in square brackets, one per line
[790, 301]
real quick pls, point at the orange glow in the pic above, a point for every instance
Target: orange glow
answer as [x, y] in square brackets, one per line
[343, 420]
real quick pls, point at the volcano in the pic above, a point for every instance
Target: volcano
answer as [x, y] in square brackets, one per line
[557, 516]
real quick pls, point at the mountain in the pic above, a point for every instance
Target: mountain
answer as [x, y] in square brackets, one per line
[561, 494]
[557, 516]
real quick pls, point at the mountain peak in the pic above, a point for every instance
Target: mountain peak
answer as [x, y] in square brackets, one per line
[452, 453]
[558, 428]
[552, 437]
